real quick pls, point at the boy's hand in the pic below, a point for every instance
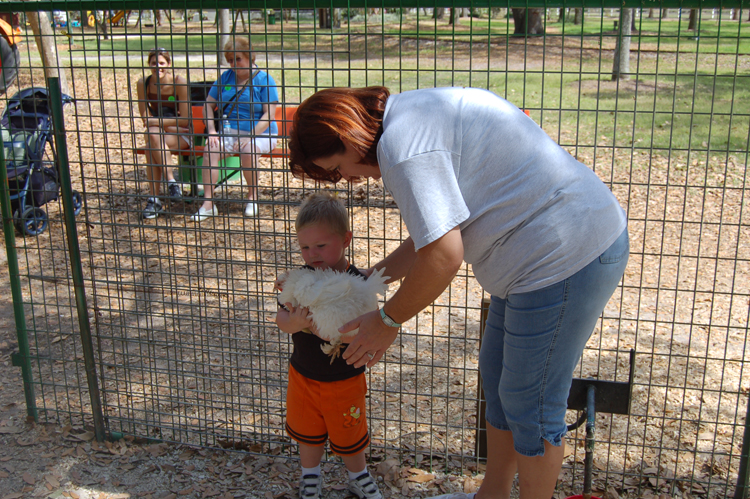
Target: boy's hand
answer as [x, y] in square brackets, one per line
[299, 318]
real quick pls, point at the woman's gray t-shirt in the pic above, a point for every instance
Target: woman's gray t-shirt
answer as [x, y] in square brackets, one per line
[530, 214]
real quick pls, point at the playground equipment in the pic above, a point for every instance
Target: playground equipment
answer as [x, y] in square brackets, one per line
[9, 56]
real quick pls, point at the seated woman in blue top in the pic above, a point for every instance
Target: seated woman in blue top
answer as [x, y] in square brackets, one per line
[248, 97]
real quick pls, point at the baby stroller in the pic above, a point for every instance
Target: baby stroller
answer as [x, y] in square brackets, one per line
[33, 176]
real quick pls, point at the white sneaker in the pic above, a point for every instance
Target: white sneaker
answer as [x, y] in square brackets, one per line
[455, 495]
[203, 214]
[364, 487]
[310, 487]
[251, 209]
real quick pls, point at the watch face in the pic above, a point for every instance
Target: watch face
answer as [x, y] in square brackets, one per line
[387, 320]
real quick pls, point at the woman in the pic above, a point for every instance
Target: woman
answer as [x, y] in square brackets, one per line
[248, 97]
[477, 180]
[164, 104]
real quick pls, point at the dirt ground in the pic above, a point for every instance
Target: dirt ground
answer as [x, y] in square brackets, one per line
[61, 461]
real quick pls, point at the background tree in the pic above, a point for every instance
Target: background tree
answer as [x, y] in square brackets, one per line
[44, 35]
[693, 20]
[329, 18]
[578, 16]
[455, 16]
[223, 20]
[528, 21]
[621, 64]
[439, 13]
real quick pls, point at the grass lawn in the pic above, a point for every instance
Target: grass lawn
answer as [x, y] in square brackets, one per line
[687, 93]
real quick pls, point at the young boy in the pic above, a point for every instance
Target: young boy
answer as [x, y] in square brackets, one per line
[325, 400]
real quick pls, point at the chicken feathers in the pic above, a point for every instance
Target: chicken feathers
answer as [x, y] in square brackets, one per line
[333, 298]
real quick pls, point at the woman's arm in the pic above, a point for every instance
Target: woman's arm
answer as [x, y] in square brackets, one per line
[430, 273]
[182, 92]
[264, 122]
[398, 263]
[208, 113]
[142, 106]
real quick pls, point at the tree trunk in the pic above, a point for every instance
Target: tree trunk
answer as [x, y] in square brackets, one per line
[650, 13]
[578, 18]
[101, 25]
[621, 64]
[224, 19]
[439, 13]
[693, 21]
[324, 18]
[45, 42]
[633, 27]
[735, 14]
[528, 22]
[664, 13]
[561, 15]
[455, 15]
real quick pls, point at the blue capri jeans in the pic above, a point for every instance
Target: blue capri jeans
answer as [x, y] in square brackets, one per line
[532, 343]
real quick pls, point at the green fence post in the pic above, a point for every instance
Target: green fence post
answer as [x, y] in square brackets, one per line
[23, 359]
[61, 150]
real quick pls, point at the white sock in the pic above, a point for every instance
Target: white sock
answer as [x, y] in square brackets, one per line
[353, 475]
[171, 180]
[311, 471]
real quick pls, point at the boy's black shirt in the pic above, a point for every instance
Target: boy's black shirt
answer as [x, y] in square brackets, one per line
[310, 361]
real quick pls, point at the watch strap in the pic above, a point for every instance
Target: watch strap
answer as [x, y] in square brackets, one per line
[387, 320]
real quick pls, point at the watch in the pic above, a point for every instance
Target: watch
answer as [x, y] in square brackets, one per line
[387, 320]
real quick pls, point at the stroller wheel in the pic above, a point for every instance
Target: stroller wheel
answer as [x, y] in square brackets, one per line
[77, 202]
[33, 221]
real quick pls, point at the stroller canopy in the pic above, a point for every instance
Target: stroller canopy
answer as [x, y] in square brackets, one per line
[29, 109]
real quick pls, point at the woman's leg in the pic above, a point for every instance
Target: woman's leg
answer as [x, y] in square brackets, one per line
[211, 158]
[532, 343]
[249, 161]
[501, 465]
[154, 169]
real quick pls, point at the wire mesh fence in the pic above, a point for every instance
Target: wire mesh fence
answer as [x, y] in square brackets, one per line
[181, 314]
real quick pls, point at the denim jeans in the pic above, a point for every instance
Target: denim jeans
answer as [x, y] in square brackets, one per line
[532, 343]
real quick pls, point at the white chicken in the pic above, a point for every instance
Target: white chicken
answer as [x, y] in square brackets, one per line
[333, 298]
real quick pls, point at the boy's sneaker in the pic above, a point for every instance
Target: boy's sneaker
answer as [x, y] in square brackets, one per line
[310, 487]
[153, 208]
[455, 495]
[175, 192]
[364, 487]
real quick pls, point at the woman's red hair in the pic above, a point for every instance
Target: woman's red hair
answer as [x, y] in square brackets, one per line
[329, 115]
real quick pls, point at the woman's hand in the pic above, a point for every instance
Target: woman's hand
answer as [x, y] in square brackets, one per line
[371, 342]
[214, 141]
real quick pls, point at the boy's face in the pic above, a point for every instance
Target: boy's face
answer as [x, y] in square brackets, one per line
[322, 248]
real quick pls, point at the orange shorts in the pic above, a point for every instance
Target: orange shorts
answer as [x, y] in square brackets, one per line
[332, 410]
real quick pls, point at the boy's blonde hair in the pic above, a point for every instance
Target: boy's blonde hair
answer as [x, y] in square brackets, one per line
[323, 207]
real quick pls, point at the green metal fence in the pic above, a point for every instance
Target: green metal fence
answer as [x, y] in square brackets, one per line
[164, 328]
